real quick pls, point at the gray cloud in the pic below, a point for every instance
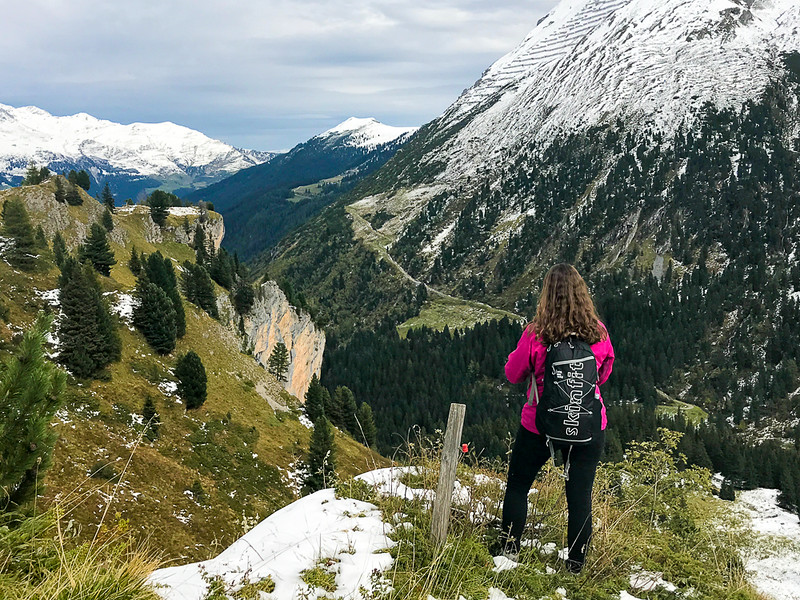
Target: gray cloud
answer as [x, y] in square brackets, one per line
[264, 74]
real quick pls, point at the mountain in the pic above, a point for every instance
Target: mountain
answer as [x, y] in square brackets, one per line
[655, 145]
[262, 203]
[230, 462]
[131, 158]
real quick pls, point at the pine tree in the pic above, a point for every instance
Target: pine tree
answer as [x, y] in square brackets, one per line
[134, 264]
[198, 288]
[83, 180]
[59, 249]
[152, 420]
[72, 177]
[40, 238]
[243, 297]
[88, 340]
[34, 175]
[158, 269]
[221, 268]
[60, 193]
[107, 198]
[154, 316]
[200, 250]
[368, 433]
[17, 227]
[96, 250]
[73, 196]
[159, 207]
[107, 221]
[346, 401]
[726, 491]
[278, 363]
[321, 463]
[31, 389]
[192, 380]
[314, 408]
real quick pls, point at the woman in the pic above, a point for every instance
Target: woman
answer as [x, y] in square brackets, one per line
[565, 309]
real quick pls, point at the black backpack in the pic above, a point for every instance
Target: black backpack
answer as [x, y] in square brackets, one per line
[569, 410]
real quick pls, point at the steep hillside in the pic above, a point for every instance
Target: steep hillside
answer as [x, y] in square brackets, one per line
[263, 203]
[653, 144]
[132, 159]
[213, 471]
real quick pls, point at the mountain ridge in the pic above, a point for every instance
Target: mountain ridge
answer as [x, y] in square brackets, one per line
[132, 158]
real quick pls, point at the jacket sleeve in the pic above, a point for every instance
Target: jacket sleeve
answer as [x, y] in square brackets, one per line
[608, 364]
[518, 367]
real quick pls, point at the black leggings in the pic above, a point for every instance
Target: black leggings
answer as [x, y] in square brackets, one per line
[529, 454]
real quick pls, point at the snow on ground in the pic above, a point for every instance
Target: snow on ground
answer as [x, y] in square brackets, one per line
[286, 543]
[123, 306]
[775, 560]
[184, 211]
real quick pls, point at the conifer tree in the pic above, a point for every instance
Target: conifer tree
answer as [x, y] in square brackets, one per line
[97, 251]
[314, 407]
[332, 409]
[346, 401]
[73, 196]
[200, 250]
[72, 177]
[17, 227]
[40, 239]
[152, 420]
[88, 340]
[59, 249]
[32, 175]
[726, 491]
[243, 297]
[107, 198]
[60, 193]
[31, 389]
[107, 221]
[158, 269]
[192, 380]
[368, 432]
[134, 264]
[221, 268]
[159, 207]
[278, 362]
[198, 288]
[83, 180]
[154, 316]
[321, 463]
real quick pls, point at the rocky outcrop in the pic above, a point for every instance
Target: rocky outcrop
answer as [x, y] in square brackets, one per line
[271, 320]
[180, 224]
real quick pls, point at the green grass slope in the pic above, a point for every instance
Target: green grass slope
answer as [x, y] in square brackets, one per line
[213, 472]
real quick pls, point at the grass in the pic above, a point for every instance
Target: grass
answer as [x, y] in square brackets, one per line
[453, 313]
[322, 575]
[648, 515]
[237, 446]
[306, 192]
[673, 407]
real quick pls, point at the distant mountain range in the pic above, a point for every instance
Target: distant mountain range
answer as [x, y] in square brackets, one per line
[131, 158]
[262, 203]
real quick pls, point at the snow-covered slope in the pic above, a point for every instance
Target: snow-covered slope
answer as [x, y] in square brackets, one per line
[366, 133]
[164, 152]
[645, 61]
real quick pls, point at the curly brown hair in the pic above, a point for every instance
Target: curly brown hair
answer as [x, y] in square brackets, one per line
[565, 307]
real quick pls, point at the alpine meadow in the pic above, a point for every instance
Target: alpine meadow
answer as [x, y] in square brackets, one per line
[231, 374]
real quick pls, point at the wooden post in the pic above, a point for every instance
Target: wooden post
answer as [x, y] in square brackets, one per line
[447, 474]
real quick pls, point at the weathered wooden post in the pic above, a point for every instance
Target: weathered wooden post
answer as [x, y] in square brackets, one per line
[447, 474]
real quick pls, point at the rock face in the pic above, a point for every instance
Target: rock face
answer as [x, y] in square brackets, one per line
[272, 320]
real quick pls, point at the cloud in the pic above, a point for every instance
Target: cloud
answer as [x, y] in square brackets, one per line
[260, 74]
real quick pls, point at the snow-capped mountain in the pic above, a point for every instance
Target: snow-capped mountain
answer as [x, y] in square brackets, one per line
[648, 62]
[366, 133]
[131, 157]
[262, 203]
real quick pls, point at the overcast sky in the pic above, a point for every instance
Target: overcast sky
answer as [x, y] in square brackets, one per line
[258, 74]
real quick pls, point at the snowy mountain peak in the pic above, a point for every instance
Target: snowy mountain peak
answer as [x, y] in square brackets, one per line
[161, 153]
[645, 61]
[367, 132]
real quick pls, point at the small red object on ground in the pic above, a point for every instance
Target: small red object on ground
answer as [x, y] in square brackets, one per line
[465, 448]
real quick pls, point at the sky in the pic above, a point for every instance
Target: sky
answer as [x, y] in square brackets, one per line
[262, 74]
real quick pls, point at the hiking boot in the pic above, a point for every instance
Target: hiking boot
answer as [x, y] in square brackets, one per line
[573, 566]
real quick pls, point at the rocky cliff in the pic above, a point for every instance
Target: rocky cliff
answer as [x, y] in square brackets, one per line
[272, 320]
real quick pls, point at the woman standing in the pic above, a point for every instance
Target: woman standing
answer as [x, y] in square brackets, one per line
[565, 309]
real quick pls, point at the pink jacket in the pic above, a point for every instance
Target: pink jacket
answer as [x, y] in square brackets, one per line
[532, 352]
